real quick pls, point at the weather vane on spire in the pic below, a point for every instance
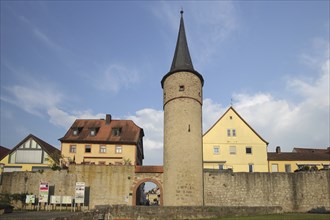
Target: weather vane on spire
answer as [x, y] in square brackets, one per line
[181, 12]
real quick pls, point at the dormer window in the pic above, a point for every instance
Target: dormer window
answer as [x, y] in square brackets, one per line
[93, 131]
[116, 131]
[76, 130]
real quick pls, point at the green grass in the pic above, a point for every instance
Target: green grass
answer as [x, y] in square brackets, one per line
[291, 216]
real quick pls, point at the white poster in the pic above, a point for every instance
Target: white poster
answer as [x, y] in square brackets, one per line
[80, 192]
[30, 199]
[66, 200]
[55, 199]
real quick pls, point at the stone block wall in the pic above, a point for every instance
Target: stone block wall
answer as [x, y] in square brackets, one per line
[106, 184]
[292, 191]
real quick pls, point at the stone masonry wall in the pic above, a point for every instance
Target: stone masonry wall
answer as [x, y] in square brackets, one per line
[106, 184]
[302, 191]
[114, 185]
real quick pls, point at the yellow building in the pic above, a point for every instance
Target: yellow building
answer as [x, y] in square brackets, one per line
[31, 154]
[103, 142]
[300, 159]
[231, 143]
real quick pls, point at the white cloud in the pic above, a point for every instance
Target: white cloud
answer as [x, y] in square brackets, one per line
[115, 77]
[151, 121]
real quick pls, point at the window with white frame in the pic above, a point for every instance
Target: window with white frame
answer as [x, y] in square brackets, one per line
[73, 148]
[216, 149]
[274, 167]
[232, 150]
[287, 168]
[103, 149]
[119, 149]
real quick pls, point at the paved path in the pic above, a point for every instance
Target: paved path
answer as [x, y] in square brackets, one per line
[35, 215]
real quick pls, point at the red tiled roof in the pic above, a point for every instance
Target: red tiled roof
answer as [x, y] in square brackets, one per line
[291, 156]
[130, 132]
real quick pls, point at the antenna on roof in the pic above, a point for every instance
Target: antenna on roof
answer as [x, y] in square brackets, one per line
[231, 102]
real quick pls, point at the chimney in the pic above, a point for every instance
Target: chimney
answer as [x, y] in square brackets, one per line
[278, 149]
[107, 119]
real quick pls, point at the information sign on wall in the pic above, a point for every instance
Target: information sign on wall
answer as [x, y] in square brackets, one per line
[66, 200]
[30, 199]
[55, 199]
[80, 192]
[43, 192]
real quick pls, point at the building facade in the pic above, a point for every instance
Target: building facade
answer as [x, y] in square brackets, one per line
[231, 143]
[300, 159]
[182, 103]
[31, 154]
[103, 142]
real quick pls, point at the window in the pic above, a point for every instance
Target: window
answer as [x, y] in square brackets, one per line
[88, 149]
[221, 167]
[75, 132]
[73, 148]
[234, 132]
[119, 149]
[93, 132]
[251, 168]
[216, 150]
[232, 150]
[228, 132]
[274, 167]
[288, 168]
[181, 88]
[116, 131]
[248, 150]
[103, 149]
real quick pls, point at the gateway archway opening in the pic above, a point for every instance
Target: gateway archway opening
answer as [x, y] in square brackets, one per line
[148, 193]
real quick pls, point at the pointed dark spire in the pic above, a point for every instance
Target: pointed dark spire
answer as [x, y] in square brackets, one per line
[182, 60]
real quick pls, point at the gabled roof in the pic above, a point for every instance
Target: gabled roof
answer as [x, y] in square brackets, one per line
[130, 133]
[231, 108]
[49, 149]
[182, 60]
[311, 150]
[3, 152]
[291, 156]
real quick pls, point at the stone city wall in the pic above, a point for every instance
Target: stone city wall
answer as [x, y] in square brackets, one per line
[104, 184]
[303, 191]
[114, 185]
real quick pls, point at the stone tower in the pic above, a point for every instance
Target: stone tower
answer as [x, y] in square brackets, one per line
[183, 159]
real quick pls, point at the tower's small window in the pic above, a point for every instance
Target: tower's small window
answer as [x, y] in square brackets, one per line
[181, 88]
[234, 132]
[230, 117]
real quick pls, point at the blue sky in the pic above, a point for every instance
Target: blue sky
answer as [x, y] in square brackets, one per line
[82, 59]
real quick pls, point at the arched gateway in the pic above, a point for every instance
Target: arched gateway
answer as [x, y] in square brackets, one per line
[144, 174]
